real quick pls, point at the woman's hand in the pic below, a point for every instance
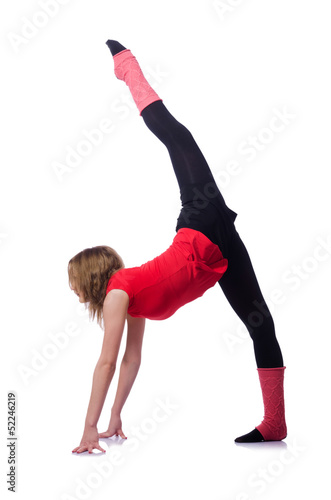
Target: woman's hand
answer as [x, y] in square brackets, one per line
[114, 428]
[89, 441]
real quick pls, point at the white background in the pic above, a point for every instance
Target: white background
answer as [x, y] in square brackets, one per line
[222, 69]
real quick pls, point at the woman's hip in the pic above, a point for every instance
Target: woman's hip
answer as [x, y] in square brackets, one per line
[204, 209]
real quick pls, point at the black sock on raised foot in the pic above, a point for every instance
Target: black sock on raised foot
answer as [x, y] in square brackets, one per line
[115, 47]
[254, 436]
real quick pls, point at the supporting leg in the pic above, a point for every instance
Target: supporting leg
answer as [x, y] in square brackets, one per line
[243, 292]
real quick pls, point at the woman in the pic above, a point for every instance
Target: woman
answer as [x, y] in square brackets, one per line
[206, 249]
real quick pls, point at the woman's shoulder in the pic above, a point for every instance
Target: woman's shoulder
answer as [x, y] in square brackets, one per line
[116, 295]
[121, 279]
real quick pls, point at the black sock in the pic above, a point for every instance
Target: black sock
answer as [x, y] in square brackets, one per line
[254, 436]
[115, 47]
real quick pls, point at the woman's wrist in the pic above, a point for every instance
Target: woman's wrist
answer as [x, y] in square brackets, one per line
[89, 425]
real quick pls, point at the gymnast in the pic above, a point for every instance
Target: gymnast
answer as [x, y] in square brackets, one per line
[206, 250]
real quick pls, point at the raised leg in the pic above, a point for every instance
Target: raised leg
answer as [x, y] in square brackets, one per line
[126, 68]
[187, 159]
[188, 162]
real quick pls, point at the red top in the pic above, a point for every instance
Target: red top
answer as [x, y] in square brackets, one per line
[182, 273]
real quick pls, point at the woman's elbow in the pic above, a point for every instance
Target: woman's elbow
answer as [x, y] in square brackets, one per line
[132, 361]
[107, 364]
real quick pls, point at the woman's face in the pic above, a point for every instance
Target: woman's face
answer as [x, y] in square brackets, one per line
[81, 298]
[78, 293]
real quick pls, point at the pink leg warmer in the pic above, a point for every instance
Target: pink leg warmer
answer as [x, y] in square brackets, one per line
[127, 69]
[273, 426]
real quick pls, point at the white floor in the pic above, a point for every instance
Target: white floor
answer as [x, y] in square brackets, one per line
[251, 80]
[190, 454]
[189, 402]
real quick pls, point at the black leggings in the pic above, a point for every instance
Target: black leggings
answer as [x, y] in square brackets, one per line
[204, 209]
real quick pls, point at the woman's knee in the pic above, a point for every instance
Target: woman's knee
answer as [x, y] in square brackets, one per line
[260, 324]
[177, 133]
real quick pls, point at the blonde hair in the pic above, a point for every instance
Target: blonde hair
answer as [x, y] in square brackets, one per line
[89, 272]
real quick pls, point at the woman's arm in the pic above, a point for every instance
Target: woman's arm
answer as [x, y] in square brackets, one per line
[130, 362]
[128, 372]
[114, 315]
[102, 377]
